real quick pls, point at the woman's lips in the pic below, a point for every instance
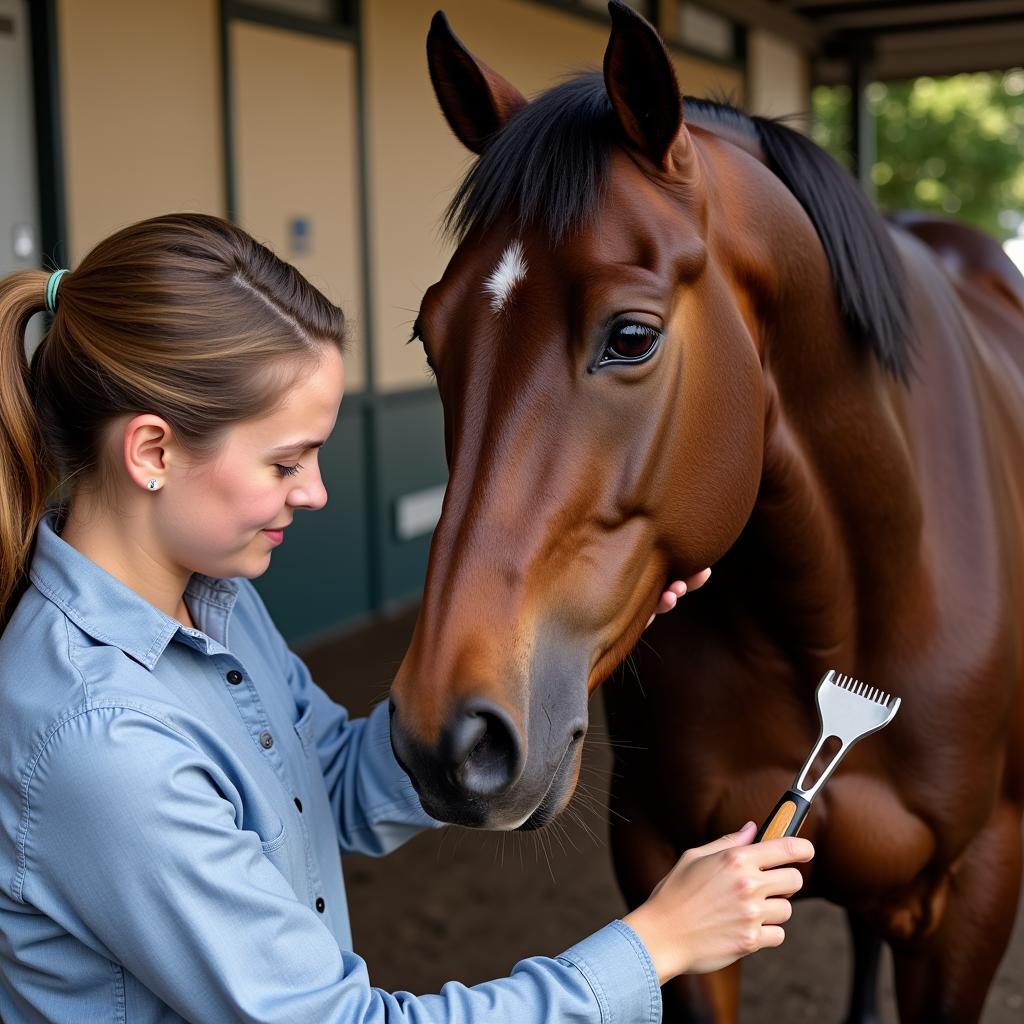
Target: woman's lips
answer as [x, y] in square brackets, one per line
[275, 535]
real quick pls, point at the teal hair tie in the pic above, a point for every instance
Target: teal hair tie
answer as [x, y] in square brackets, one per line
[51, 290]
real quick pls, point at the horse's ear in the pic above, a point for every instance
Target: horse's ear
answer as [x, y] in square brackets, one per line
[475, 100]
[642, 85]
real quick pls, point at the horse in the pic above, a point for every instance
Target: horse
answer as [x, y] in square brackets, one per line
[673, 335]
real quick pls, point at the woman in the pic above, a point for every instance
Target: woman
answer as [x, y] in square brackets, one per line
[175, 788]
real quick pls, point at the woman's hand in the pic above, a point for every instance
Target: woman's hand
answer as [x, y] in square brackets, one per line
[676, 591]
[720, 902]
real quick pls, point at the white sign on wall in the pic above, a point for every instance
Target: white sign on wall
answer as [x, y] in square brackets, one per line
[417, 513]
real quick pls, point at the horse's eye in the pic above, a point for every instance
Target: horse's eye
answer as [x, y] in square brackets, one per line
[630, 342]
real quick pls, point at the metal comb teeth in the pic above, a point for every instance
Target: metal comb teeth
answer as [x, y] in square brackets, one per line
[862, 689]
[849, 710]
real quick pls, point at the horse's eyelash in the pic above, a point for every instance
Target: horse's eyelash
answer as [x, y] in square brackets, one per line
[412, 337]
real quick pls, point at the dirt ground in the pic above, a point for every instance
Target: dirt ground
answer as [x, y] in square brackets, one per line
[465, 905]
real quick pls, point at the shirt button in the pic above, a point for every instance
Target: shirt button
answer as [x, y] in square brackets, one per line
[320, 904]
[234, 676]
[298, 803]
[266, 740]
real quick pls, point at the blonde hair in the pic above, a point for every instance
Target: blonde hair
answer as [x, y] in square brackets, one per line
[185, 316]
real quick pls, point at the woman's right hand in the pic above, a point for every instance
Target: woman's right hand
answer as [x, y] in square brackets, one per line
[720, 902]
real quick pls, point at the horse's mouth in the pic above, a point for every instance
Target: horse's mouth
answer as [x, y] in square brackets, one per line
[545, 811]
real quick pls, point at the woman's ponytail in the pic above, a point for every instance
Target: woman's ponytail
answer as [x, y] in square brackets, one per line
[26, 470]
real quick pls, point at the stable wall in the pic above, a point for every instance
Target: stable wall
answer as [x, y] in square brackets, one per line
[141, 113]
[779, 79]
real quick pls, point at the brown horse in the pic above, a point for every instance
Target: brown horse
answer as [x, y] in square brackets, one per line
[673, 335]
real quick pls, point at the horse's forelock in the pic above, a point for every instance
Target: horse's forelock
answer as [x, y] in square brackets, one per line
[545, 168]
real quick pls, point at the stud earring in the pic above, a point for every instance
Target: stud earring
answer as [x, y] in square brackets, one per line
[153, 485]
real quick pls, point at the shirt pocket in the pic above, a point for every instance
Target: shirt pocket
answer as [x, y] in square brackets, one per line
[274, 844]
[278, 851]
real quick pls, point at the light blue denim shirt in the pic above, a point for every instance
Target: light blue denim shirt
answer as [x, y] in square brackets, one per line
[173, 803]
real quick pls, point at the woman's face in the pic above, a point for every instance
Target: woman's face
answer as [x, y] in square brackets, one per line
[216, 514]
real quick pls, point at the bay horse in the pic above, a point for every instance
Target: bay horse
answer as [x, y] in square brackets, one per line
[673, 335]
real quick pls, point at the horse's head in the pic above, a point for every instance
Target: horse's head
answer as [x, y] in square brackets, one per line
[594, 344]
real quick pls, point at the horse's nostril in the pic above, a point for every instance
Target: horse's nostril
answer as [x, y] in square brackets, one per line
[481, 748]
[465, 732]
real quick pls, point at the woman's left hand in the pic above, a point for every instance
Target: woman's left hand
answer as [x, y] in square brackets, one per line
[676, 591]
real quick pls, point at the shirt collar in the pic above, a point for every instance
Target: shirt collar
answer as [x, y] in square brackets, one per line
[113, 613]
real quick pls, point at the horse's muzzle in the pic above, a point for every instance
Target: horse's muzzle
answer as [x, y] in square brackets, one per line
[477, 759]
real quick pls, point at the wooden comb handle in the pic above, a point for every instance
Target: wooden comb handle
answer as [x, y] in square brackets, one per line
[786, 819]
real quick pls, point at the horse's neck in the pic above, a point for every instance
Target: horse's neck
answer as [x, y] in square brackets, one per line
[835, 533]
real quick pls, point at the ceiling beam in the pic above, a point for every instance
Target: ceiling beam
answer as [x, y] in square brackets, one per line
[938, 52]
[952, 36]
[907, 17]
[802, 6]
[772, 17]
[814, 6]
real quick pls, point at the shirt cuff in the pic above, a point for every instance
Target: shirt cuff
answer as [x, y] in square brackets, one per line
[619, 969]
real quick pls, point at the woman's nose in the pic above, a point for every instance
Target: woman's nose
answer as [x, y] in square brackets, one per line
[311, 494]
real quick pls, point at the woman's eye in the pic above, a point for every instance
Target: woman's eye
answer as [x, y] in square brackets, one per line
[287, 470]
[630, 343]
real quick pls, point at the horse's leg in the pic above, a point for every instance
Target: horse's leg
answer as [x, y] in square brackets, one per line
[867, 957]
[642, 857]
[946, 979]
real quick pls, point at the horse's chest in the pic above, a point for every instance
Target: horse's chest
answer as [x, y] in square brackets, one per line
[872, 855]
[876, 857]
[867, 842]
[872, 852]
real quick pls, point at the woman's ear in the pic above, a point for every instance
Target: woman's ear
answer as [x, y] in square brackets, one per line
[147, 441]
[475, 100]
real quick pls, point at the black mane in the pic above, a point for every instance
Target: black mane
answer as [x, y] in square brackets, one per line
[548, 165]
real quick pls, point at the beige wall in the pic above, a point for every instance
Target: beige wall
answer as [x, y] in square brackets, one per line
[702, 78]
[780, 78]
[140, 91]
[297, 155]
[415, 161]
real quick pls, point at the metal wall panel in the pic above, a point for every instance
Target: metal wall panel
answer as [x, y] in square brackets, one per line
[411, 459]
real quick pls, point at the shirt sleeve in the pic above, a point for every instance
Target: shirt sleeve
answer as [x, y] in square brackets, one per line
[133, 843]
[375, 806]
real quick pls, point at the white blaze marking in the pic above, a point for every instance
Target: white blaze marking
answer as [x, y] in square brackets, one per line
[510, 271]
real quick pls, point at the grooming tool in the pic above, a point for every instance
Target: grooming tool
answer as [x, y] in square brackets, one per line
[847, 709]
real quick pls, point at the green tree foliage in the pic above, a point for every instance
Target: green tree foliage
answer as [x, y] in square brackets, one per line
[954, 146]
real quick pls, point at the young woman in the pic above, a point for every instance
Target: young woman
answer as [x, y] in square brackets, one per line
[174, 788]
